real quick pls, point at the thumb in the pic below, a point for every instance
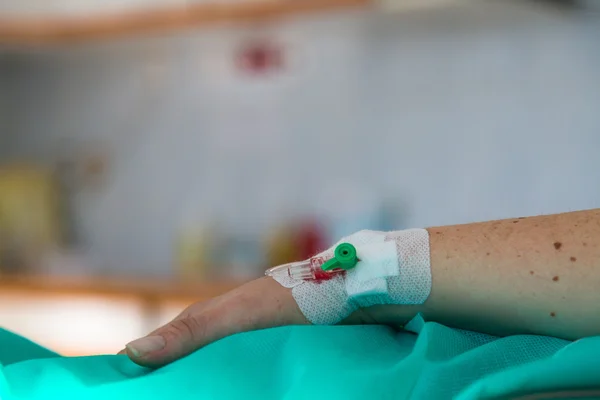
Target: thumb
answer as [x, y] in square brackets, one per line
[259, 304]
[176, 339]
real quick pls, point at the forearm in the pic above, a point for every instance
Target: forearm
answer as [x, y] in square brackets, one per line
[537, 275]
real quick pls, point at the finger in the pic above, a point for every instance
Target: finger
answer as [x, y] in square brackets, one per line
[260, 304]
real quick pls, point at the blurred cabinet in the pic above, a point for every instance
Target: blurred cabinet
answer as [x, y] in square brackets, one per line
[85, 317]
[72, 325]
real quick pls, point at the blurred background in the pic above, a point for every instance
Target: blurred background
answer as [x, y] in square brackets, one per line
[156, 154]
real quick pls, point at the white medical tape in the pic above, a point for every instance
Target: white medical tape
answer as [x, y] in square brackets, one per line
[394, 268]
[378, 262]
[412, 285]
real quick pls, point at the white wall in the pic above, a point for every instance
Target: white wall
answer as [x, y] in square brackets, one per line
[478, 113]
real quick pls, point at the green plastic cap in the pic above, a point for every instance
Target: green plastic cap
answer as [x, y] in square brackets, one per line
[344, 257]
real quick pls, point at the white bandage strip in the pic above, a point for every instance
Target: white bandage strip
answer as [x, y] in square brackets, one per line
[394, 268]
[369, 278]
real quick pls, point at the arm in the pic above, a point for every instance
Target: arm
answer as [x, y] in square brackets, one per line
[538, 275]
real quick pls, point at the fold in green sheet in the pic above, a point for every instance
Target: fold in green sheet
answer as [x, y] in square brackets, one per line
[314, 362]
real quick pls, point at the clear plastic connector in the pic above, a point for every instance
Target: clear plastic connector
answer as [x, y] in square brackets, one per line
[303, 270]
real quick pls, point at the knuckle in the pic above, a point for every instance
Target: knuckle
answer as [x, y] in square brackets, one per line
[189, 329]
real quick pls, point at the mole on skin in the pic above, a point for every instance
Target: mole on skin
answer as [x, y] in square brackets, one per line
[557, 245]
[553, 314]
[531, 272]
[555, 279]
[573, 259]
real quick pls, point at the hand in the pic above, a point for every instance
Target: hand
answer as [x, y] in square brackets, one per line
[260, 304]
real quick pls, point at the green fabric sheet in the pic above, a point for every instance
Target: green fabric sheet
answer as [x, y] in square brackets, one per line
[314, 362]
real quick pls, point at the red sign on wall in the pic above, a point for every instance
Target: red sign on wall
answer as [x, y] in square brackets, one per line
[260, 57]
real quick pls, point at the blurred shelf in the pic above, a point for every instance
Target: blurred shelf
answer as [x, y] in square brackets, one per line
[27, 31]
[175, 291]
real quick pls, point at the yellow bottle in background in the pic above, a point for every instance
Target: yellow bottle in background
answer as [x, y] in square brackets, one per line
[30, 224]
[192, 255]
[280, 246]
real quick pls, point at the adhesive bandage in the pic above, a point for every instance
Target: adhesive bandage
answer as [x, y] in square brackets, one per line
[392, 268]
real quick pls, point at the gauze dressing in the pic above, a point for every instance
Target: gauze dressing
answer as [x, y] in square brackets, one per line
[393, 268]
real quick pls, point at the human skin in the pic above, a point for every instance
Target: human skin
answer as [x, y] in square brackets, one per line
[536, 275]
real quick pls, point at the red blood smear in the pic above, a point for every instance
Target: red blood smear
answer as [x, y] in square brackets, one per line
[321, 275]
[316, 263]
